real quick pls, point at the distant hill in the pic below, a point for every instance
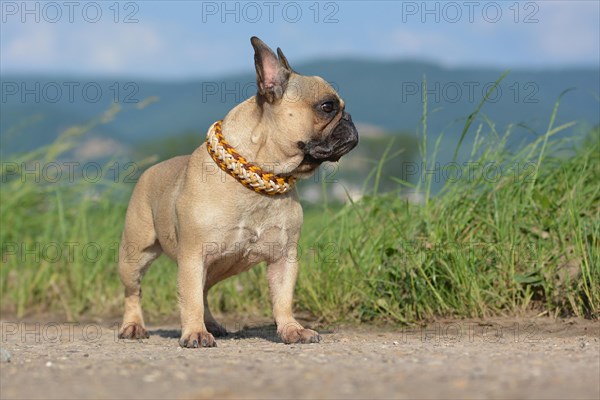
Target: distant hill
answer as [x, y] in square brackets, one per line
[385, 95]
[353, 173]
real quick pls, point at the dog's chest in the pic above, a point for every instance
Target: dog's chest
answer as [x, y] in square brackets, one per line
[254, 238]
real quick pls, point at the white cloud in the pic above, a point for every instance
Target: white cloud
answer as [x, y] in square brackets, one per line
[31, 45]
[95, 47]
[429, 45]
[119, 49]
[412, 42]
[172, 42]
[568, 31]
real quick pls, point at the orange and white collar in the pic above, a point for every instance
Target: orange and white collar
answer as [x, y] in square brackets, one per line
[248, 174]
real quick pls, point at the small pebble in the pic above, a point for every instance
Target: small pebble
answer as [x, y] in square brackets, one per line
[4, 355]
[49, 364]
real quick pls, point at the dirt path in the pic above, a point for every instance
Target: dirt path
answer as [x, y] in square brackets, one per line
[538, 358]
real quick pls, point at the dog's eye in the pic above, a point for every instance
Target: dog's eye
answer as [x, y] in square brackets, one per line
[327, 106]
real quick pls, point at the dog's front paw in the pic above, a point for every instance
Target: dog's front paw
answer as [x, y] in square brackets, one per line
[197, 339]
[295, 333]
[132, 330]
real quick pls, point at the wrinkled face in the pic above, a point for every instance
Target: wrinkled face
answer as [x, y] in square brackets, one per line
[305, 111]
[321, 129]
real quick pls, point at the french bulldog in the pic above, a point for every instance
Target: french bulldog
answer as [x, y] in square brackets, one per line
[215, 221]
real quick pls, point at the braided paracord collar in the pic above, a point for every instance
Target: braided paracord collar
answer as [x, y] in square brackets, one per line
[248, 174]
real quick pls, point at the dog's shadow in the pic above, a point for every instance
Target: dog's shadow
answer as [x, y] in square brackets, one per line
[264, 331]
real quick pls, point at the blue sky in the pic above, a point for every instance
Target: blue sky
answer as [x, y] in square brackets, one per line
[183, 39]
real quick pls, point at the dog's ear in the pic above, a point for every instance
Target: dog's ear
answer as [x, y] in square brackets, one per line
[283, 60]
[272, 74]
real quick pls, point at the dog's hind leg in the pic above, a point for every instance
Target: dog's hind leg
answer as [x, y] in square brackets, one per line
[131, 273]
[139, 248]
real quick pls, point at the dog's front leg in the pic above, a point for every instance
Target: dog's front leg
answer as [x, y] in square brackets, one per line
[191, 275]
[282, 280]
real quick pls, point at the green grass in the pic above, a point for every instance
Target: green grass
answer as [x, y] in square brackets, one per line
[485, 245]
[479, 248]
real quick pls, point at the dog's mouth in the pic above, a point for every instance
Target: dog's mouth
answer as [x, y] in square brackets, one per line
[308, 164]
[340, 142]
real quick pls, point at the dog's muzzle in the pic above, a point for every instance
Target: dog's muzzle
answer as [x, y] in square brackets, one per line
[343, 139]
